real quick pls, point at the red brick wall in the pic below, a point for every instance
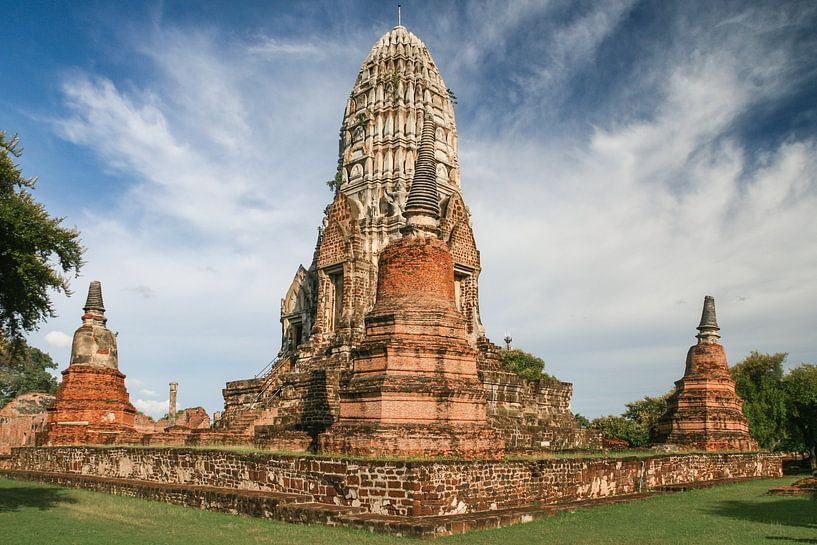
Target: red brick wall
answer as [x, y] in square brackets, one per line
[415, 272]
[91, 406]
[401, 487]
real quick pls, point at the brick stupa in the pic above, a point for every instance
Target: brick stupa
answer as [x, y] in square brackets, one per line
[705, 412]
[92, 404]
[414, 389]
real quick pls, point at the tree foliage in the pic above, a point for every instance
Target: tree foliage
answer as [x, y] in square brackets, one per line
[524, 364]
[583, 420]
[759, 381]
[638, 425]
[801, 390]
[618, 427]
[647, 412]
[24, 370]
[37, 254]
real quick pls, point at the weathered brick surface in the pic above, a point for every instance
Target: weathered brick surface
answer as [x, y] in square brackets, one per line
[21, 419]
[530, 414]
[188, 419]
[400, 487]
[90, 401]
[413, 388]
[705, 412]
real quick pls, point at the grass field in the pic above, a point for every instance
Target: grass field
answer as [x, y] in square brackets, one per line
[32, 513]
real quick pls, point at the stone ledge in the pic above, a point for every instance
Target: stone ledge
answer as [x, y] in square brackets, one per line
[303, 507]
[295, 508]
[399, 488]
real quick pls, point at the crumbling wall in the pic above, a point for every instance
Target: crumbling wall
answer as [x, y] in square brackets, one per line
[195, 418]
[405, 488]
[21, 419]
[530, 414]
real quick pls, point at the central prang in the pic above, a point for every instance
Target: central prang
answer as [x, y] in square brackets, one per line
[383, 348]
[413, 388]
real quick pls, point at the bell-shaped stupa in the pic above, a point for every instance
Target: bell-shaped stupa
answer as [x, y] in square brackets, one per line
[92, 404]
[705, 412]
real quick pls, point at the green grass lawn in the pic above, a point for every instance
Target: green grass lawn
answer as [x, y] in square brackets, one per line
[32, 513]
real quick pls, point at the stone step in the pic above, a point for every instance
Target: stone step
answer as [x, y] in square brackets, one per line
[241, 422]
[314, 512]
[198, 495]
[700, 484]
[445, 525]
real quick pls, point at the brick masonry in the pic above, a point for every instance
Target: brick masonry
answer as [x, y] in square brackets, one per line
[21, 419]
[705, 412]
[400, 488]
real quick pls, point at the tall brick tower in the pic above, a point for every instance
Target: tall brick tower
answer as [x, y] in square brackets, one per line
[705, 412]
[414, 388]
[398, 131]
[92, 404]
[378, 147]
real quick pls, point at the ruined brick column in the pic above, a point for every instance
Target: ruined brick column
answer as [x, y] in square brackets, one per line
[92, 404]
[414, 388]
[705, 412]
[171, 410]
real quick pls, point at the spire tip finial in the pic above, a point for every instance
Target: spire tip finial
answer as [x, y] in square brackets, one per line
[422, 210]
[708, 328]
[399, 16]
[94, 300]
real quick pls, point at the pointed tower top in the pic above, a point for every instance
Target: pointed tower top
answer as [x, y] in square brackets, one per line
[423, 202]
[708, 328]
[94, 300]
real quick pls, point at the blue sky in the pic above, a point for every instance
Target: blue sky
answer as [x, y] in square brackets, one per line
[621, 160]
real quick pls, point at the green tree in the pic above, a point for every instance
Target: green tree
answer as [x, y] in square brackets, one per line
[523, 364]
[801, 391]
[583, 420]
[24, 370]
[759, 381]
[647, 412]
[37, 254]
[618, 427]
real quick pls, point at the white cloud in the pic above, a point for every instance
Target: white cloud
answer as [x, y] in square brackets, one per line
[57, 339]
[151, 407]
[596, 240]
[273, 47]
[147, 392]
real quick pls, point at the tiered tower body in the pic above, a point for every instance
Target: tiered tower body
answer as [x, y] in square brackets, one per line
[414, 388]
[705, 412]
[379, 141]
[92, 404]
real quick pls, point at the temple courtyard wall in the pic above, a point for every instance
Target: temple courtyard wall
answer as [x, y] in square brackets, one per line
[398, 488]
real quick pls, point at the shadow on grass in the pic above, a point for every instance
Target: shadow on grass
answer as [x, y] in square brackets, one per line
[15, 498]
[793, 539]
[799, 512]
